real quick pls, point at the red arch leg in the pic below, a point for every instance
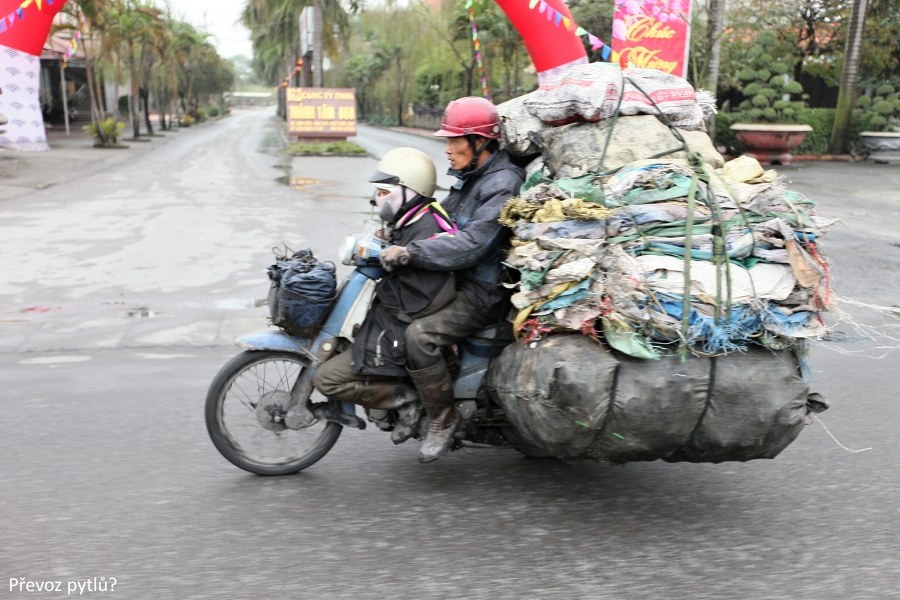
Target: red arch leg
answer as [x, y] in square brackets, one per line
[552, 48]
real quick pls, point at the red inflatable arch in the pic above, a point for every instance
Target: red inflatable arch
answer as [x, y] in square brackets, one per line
[27, 23]
[552, 48]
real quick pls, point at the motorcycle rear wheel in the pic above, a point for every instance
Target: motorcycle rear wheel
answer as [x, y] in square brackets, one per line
[241, 408]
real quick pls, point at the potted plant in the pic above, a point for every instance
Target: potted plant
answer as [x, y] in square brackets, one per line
[878, 113]
[767, 123]
[106, 133]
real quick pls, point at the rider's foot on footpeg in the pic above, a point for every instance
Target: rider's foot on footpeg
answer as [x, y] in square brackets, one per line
[330, 414]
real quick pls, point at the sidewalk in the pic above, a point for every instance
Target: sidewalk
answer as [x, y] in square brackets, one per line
[69, 157]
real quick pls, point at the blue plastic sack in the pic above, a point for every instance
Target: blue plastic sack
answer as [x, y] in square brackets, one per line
[302, 292]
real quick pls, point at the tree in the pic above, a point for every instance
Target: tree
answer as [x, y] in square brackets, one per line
[808, 35]
[274, 33]
[714, 28]
[91, 17]
[715, 25]
[880, 54]
[840, 132]
[131, 30]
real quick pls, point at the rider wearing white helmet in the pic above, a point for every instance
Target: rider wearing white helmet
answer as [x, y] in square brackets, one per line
[487, 178]
[372, 373]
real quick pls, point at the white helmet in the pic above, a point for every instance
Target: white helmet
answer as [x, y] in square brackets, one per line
[407, 167]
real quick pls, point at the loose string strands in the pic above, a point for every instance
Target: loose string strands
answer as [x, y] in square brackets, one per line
[881, 332]
[836, 441]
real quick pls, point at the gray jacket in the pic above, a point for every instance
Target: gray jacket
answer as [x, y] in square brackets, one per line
[475, 251]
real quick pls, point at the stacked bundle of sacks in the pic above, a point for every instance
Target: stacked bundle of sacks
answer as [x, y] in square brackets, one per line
[686, 284]
[661, 257]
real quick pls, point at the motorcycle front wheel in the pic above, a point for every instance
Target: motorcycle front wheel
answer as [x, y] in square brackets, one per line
[245, 406]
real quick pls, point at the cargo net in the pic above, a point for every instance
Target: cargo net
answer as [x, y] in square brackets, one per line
[635, 231]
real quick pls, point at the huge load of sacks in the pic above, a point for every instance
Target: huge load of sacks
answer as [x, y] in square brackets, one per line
[665, 296]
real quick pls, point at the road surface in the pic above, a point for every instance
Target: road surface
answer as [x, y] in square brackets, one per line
[119, 298]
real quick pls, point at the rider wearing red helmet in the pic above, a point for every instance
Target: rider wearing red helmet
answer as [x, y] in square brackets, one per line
[370, 374]
[486, 179]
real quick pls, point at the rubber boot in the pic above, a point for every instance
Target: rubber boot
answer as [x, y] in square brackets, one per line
[436, 390]
[452, 361]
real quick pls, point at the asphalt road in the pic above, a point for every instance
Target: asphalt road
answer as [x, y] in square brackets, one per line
[119, 296]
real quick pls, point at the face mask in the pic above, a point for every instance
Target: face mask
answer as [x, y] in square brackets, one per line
[388, 204]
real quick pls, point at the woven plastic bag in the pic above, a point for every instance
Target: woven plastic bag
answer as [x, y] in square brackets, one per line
[573, 397]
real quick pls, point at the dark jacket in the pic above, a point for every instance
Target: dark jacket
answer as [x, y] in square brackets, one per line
[475, 252]
[379, 347]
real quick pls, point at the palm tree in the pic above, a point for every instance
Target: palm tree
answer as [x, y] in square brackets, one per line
[840, 132]
[714, 52]
[164, 74]
[186, 40]
[133, 25]
[91, 18]
[274, 33]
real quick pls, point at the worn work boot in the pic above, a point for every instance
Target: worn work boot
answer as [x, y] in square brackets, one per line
[436, 389]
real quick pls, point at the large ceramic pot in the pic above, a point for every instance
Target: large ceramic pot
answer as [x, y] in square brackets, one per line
[770, 143]
[883, 146]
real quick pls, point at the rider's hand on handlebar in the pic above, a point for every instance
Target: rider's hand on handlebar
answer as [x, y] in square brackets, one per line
[394, 256]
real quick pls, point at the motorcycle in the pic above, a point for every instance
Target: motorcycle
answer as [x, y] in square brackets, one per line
[264, 415]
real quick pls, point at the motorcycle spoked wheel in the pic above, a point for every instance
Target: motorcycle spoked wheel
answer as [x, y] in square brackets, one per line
[244, 411]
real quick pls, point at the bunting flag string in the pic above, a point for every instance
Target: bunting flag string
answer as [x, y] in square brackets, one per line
[72, 49]
[18, 14]
[76, 36]
[476, 49]
[544, 8]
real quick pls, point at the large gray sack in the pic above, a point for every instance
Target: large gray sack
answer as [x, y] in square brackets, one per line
[575, 398]
[581, 148]
[518, 127]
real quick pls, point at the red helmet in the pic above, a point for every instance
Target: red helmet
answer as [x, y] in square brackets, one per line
[470, 116]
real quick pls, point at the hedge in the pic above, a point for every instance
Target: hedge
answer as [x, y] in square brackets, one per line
[816, 141]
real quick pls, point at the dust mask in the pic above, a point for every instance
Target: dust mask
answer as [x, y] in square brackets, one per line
[388, 198]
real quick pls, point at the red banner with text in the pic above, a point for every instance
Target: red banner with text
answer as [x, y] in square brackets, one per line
[653, 34]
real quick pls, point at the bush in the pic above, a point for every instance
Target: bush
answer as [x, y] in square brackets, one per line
[213, 111]
[186, 121]
[816, 141]
[880, 112]
[319, 148]
[770, 95]
[383, 121]
[109, 127]
[725, 137]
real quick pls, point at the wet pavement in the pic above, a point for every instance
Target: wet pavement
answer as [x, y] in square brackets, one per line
[123, 282]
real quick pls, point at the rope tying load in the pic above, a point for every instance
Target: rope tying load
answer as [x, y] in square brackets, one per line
[636, 228]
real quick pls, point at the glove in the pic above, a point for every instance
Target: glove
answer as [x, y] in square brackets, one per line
[394, 256]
